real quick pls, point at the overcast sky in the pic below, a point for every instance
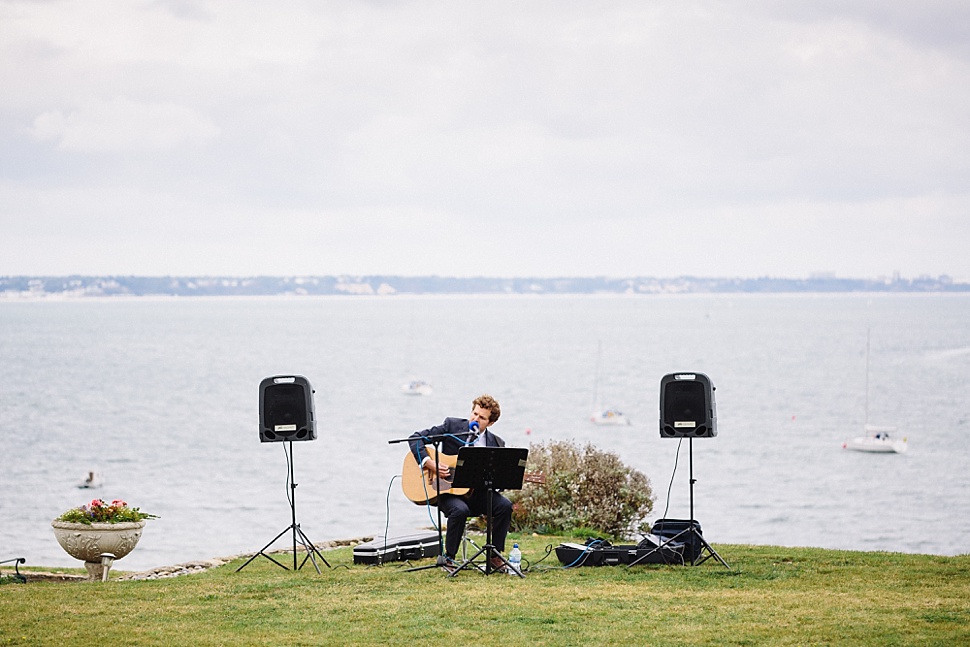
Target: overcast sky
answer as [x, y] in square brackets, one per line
[641, 137]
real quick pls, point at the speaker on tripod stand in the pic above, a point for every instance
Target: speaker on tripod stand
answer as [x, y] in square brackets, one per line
[687, 410]
[286, 415]
[687, 407]
[286, 409]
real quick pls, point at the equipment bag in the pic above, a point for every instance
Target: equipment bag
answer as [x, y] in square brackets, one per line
[598, 552]
[679, 531]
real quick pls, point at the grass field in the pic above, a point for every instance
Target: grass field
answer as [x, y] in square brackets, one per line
[769, 596]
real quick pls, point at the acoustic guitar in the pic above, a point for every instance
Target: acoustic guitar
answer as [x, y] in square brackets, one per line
[422, 487]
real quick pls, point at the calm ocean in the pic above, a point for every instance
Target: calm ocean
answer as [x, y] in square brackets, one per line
[161, 397]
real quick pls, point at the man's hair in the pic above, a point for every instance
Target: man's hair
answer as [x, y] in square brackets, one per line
[486, 401]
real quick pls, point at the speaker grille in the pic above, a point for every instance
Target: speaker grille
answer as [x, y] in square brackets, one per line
[687, 406]
[286, 409]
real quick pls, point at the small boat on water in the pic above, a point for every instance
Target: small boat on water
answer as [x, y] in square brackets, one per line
[417, 387]
[877, 439]
[610, 416]
[92, 481]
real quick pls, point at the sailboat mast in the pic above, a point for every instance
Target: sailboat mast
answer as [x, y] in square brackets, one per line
[868, 335]
[596, 377]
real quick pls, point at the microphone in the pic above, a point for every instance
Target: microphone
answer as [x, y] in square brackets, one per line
[472, 434]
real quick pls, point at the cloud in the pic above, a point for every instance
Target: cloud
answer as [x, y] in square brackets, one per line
[120, 124]
[367, 136]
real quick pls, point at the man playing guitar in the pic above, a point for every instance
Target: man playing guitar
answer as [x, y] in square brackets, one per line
[459, 433]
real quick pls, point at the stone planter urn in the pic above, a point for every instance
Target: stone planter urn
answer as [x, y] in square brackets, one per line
[98, 544]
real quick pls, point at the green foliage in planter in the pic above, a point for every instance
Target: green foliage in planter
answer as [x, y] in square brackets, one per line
[100, 512]
[585, 488]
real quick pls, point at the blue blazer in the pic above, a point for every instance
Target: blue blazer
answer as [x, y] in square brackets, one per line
[456, 433]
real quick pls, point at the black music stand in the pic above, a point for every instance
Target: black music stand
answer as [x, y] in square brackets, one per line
[492, 468]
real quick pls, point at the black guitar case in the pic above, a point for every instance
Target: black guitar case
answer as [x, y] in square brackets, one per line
[598, 552]
[397, 549]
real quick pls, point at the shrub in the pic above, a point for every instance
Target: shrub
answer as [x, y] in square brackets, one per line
[584, 488]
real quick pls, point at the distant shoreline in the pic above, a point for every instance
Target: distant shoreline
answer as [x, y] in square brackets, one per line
[74, 287]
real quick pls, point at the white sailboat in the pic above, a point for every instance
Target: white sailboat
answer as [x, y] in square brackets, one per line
[413, 386]
[877, 439]
[609, 416]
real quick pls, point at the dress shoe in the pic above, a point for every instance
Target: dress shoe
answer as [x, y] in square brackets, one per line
[498, 566]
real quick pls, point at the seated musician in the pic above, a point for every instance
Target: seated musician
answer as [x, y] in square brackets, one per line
[457, 509]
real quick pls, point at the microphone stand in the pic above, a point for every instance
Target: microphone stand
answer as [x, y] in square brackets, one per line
[436, 440]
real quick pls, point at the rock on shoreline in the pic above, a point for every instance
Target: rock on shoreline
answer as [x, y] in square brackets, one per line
[188, 568]
[185, 568]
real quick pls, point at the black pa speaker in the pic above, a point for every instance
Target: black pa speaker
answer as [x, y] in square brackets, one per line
[286, 409]
[687, 406]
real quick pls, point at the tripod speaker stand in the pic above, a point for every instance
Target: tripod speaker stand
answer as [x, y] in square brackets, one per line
[691, 535]
[294, 528]
[692, 531]
[491, 468]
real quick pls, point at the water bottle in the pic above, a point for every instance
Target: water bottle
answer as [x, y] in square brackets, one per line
[515, 560]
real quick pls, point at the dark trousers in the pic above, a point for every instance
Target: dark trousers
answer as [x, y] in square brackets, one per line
[457, 510]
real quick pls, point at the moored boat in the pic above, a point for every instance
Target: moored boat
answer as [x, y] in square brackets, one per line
[417, 387]
[610, 417]
[876, 439]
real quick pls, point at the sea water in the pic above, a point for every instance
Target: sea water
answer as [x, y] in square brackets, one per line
[160, 396]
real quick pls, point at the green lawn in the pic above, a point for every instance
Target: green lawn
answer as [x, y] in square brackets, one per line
[769, 596]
